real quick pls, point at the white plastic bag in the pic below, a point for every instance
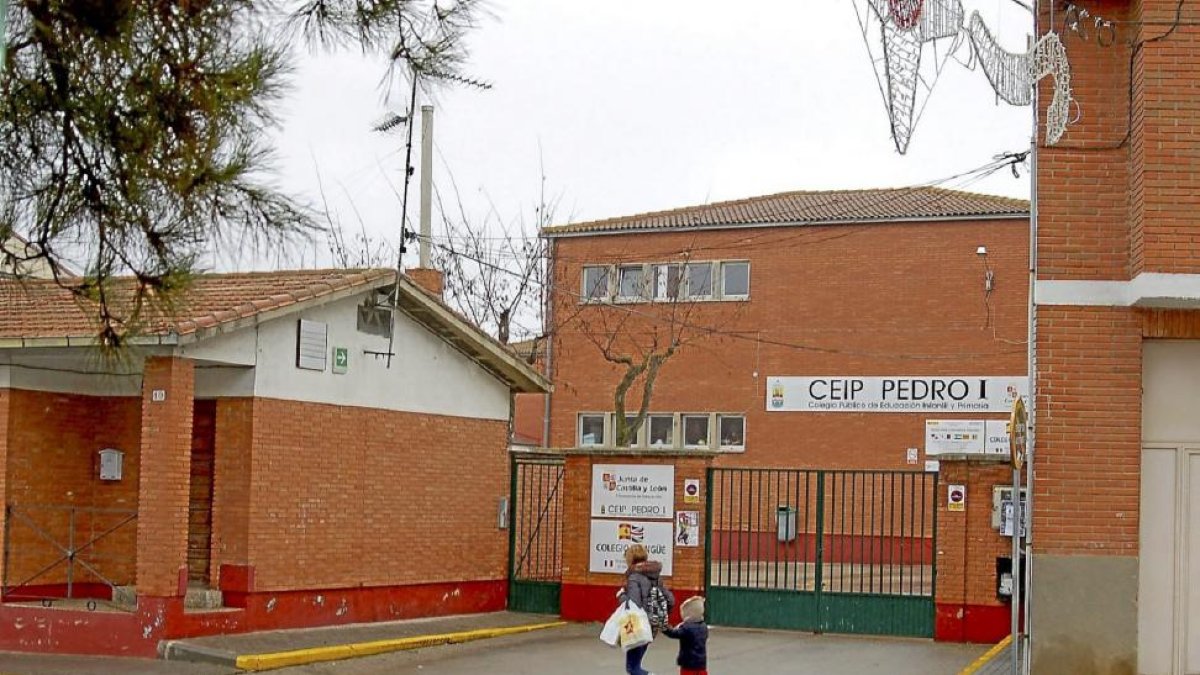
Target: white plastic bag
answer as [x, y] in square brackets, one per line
[611, 633]
[634, 627]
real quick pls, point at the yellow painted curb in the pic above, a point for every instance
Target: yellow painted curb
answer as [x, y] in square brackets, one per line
[987, 656]
[301, 657]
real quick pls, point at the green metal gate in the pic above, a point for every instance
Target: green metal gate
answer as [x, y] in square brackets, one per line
[823, 551]
[535, 533]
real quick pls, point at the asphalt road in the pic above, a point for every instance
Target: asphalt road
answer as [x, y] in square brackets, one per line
[575, 650]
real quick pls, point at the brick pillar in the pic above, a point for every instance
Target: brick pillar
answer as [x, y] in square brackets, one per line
[231, 495]
[4, 398]
[968, 609]
[430, 279]
[165, 473]
[589, 596]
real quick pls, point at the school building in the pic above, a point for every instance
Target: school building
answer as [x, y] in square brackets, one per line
[824, 346]
[283, 452]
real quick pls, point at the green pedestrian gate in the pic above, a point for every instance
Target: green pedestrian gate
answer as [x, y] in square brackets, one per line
[822, 551]
[535, 533]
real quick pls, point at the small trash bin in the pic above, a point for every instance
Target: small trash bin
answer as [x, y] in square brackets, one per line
[785, 517]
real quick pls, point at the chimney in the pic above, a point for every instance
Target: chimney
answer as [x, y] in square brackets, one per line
[428, 278]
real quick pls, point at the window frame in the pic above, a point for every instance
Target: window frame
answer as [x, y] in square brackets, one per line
[643, 291]
[720, 441]
[689, 295]
[604, 429]
[670, 417]
[607, 293]
[683, 420]
[680, 285]
[733, 296]
[638, 439]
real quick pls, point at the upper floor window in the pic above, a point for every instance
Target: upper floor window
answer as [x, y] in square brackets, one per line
[632, 283]
[595, 283]
[668, 281]
[692, 281]
[735, 279]
[699, 280]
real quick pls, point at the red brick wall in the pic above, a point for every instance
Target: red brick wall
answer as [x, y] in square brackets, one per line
[231, 484]
[53, 459]
[529, 410]
[1084, 181]
[590, 596]
[854, 300]
[165, 476]
[1165, 188]
[968, 608]
[355, 496]
[1088, 431]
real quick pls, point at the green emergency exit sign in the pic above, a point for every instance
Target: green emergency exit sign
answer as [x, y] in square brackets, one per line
[341, 360]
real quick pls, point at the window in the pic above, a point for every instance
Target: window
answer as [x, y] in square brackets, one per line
[632, 437]
[733, 431]
[668, 279]
[735, 279]
[695, 431]
[632, 283]
[662, 431]
[591, 430]
[699, 280]
[595, 284]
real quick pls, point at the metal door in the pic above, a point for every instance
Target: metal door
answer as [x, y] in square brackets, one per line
[535, 534]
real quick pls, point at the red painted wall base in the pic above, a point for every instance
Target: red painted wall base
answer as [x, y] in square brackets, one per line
[583, 602]
[32, 628]
[986, 624]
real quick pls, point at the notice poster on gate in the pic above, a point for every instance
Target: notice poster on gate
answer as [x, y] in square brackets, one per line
[633, 491]
[610, 538]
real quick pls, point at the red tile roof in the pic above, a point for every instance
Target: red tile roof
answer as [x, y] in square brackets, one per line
[42, 309]
[833, 206]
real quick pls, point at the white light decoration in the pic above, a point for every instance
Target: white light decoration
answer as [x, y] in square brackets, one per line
[898, 33]
[1013, 76]
[905, 75]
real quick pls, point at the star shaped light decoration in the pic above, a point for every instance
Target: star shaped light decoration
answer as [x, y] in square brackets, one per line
[910, 42]
[897, 34]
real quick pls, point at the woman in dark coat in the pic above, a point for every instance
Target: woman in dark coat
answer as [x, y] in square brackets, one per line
[641, 575]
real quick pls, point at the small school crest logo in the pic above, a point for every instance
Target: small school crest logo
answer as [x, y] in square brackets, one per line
[610, 481]
[777, 395]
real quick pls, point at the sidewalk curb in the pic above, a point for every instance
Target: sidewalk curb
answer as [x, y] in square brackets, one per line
[982, 661]
[177, 651]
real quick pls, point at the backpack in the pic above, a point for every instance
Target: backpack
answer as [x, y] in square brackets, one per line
[657, 608]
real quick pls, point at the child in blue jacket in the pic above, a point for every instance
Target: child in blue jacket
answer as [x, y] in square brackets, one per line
[692, 634]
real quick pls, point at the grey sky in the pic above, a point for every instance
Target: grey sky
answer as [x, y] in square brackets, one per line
[636, 106]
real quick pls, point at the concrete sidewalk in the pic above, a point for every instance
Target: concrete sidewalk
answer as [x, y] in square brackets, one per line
[572, 648]
[275, 649]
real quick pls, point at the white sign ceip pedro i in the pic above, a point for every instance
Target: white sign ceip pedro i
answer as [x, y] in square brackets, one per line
[942, 394]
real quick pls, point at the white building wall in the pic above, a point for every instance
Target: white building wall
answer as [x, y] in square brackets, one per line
[427, 375]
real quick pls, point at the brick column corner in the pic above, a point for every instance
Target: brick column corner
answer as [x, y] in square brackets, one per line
[168, 385]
